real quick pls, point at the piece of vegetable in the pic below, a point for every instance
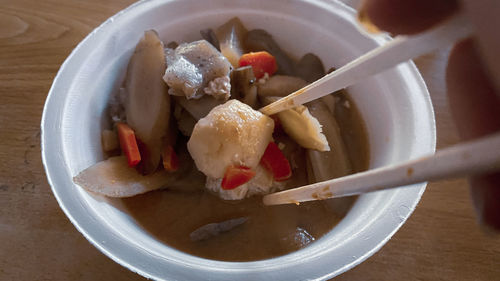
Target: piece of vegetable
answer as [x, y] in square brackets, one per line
[198, 108]
[275, 161]
[147, 105]
[310, 68]
[186, 123]
[114, 178]
[334, 163]
[170, 159]
[209, 35]
[243, 86]
[231, 36]
[280, 86]
[295, 154]
[213, 229]
[301, 126]
[109, 140]
[128, 144]
[236, 176]
[259, 40]
[262, 62]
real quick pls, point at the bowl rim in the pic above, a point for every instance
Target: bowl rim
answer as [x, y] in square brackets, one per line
[53, 164]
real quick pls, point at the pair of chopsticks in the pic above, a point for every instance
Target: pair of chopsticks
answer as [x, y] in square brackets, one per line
[479, 156]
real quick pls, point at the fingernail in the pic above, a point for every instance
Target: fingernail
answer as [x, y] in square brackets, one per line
[365, 21]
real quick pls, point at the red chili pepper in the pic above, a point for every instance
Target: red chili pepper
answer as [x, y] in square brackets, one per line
[128, 144]
[236, 176]
[170, 159]
[275, 161]
[261, 63]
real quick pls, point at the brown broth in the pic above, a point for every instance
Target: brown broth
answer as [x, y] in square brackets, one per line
[170, 216]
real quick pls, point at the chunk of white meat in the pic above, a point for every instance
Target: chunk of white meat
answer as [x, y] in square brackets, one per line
[231, 134]
[262, 183]
[196, 69]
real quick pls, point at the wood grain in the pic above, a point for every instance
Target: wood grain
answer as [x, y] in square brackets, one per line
[440, 241]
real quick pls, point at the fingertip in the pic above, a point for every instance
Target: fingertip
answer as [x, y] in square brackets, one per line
[485, 193]
[365, 20]
[405, 17]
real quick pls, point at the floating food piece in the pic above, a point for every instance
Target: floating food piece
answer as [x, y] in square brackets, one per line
[231, 36]
[147, 105]
[213, 229]
[231, 134]
[191, 68]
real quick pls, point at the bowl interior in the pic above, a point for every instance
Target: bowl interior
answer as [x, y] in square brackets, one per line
[395, 106]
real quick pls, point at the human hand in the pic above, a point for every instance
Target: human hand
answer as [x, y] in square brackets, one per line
[473, 74]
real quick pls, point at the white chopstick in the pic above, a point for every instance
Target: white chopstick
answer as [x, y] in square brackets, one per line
[465, 159]
[399, 50]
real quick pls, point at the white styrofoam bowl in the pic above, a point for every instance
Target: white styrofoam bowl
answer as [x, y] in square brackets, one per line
[395, 105]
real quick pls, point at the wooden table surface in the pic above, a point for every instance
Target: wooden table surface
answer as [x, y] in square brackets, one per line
[440, 241]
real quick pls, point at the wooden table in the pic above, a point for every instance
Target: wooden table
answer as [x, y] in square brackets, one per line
[441, 240]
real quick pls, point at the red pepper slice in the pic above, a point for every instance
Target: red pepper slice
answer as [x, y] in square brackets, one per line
[261, 63]
[236, 176]
[275, 161]
[170, 159]
[128, 144]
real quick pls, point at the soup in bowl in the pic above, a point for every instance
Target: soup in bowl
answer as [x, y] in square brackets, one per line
[385, 119]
